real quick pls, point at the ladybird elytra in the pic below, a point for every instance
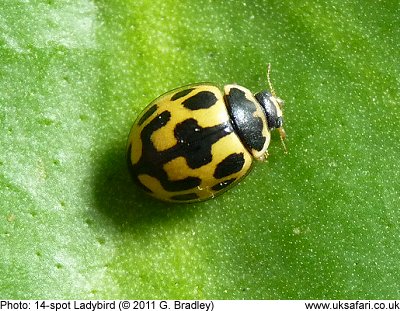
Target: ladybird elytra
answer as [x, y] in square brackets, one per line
[195, 142]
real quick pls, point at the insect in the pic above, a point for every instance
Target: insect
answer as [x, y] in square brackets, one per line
[197, 141]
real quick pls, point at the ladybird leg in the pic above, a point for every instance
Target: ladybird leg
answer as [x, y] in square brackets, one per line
[282, 134]
[264, 156]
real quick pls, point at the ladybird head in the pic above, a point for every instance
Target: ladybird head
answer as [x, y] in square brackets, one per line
[272, 106]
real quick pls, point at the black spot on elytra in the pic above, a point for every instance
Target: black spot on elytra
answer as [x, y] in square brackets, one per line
[223, 184]
[233, 163]
[248, 127]
[128, 157]
[201, 100]
[184, 197]
[133, 173]
[158, 122]
[181, 94]
[193, 143]
[147, 114]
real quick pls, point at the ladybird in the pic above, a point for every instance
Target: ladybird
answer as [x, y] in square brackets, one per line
[197, 141]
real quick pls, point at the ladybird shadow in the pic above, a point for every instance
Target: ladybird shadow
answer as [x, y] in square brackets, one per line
[120, 200]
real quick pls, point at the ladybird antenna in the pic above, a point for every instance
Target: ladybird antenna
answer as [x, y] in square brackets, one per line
[281, 131]
[269, 80]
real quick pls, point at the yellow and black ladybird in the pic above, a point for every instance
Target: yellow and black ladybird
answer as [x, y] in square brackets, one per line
[197, 141]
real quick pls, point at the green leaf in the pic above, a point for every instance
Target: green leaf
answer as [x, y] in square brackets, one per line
[319, 222]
